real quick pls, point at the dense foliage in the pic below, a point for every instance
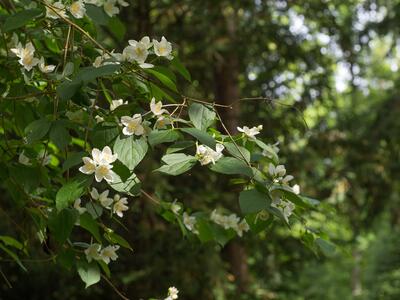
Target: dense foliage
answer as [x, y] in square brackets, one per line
[124, 169]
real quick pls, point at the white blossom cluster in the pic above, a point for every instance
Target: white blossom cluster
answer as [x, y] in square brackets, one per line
[117, 204]
[100, 164]
[106, 254]
[27, 59]
[172, 293]
[137, 52]
[250, 132]
[206, 155]
[230, 222]
[59, 9]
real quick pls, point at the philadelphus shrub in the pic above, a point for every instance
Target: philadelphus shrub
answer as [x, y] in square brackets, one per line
[78, 119]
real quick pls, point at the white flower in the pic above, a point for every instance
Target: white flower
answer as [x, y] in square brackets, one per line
[137, 52]
[23, 159]
[108, 253]
[93, 252]
[156, 108]
[286, 179]
[110, 8]
[145, 41]
[116, 103]
[132, 125]
[100, 164]
[26, 55]
[173, 292]
[95, 2]
[55, 10]
[190, 222]
[175, 208]
[163, 48]
[98, 61]
[162, 122]
[285, 207]
[102, 198]
[43, 158]
[104, 172]
[231, 221]
[278, 171]
[104, 157]
[242, 227]
[78, 9]
[207, 155]
[119, 205]
[89, 166]
[78, 207]
[123, 3]
[99, 119]
[250, 132]
[296, 189]
[44, 68]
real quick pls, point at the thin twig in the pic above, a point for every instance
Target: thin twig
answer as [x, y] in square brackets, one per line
[150, 197]
[114, 288]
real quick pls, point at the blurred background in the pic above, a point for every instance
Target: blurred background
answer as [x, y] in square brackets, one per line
[330, 70]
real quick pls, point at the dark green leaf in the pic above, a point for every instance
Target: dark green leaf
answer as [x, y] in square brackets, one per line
[162, 136]
[97, 14]
[231, 166]
[114, 238]
[178, 66]
[130, 150]
[37, 130]
[163, 78]
[89, 273]
[59, 135]
[61, 224]
[253, 201]
[21, 19]
[71, 191]
[201, 116]
[87, 222]
[202, 136]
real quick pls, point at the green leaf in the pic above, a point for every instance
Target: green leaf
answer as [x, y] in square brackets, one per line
[59, 135]
[10, 241]
[13, 256]
[238, 151]
[130, 150]
[85, 75]
[291, 196]
[162, 136]
[89, 273]
[88, 74]
[158, 93]
[181, 69]
[179, 146]
[20, 19]
[117, 28]
[37, 130]
[61, 224]
[74, 159]
[177, 164]
[87, 222]
[202, 136]
[201, 116]
[326, 247]
[114, 238]
[67, 89]
[71, 191]
[253, 201]
[94, 209]
[163, 78]
[130, 186]
[231, 166]
[269, 150]
[97, 14]
[104, 134]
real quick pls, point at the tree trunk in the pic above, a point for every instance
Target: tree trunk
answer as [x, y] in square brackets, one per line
[226, 74]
